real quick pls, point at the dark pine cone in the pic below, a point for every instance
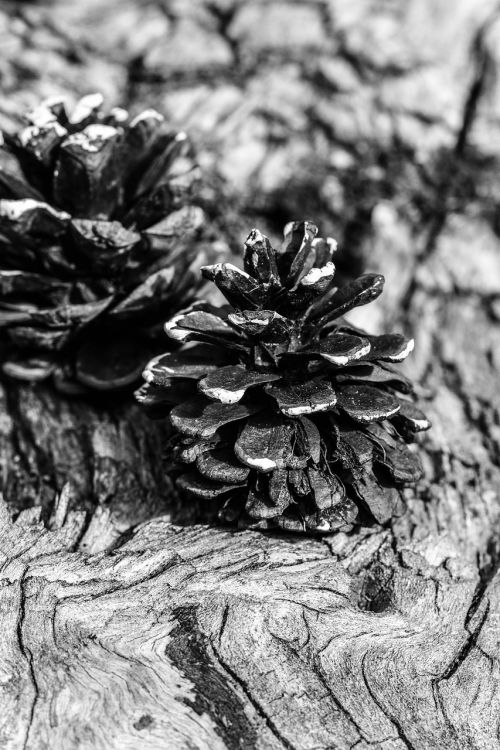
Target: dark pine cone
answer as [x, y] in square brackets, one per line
[294, 417]
[97, 237]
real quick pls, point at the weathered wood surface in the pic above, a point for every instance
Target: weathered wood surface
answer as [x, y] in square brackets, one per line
[382, 121]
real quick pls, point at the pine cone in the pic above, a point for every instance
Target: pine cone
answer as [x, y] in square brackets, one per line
[294, 417]
[97, 235]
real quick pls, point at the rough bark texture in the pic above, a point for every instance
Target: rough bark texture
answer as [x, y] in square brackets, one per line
[381, 121]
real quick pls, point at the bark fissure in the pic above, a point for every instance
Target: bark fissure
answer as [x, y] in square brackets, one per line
[189, 650]
[397, 726]
[28, 656]
[284, 742]
[469, 643]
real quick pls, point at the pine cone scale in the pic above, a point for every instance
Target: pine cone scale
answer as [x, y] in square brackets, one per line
[303, 398]
[200, 417]
[364, 403]
[229, 384]
[342, 348]
[264, 443]
[220, 465]
[361, 291]
[199, 486]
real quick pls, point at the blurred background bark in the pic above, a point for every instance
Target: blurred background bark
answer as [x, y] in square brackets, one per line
[380, 121]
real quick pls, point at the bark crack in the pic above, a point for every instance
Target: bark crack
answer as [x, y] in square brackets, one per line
[28, 656]
[253, 702]
[396, 724]
[482, 65]
[468, 645]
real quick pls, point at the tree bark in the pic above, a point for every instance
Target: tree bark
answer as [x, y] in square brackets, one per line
[123, 629]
